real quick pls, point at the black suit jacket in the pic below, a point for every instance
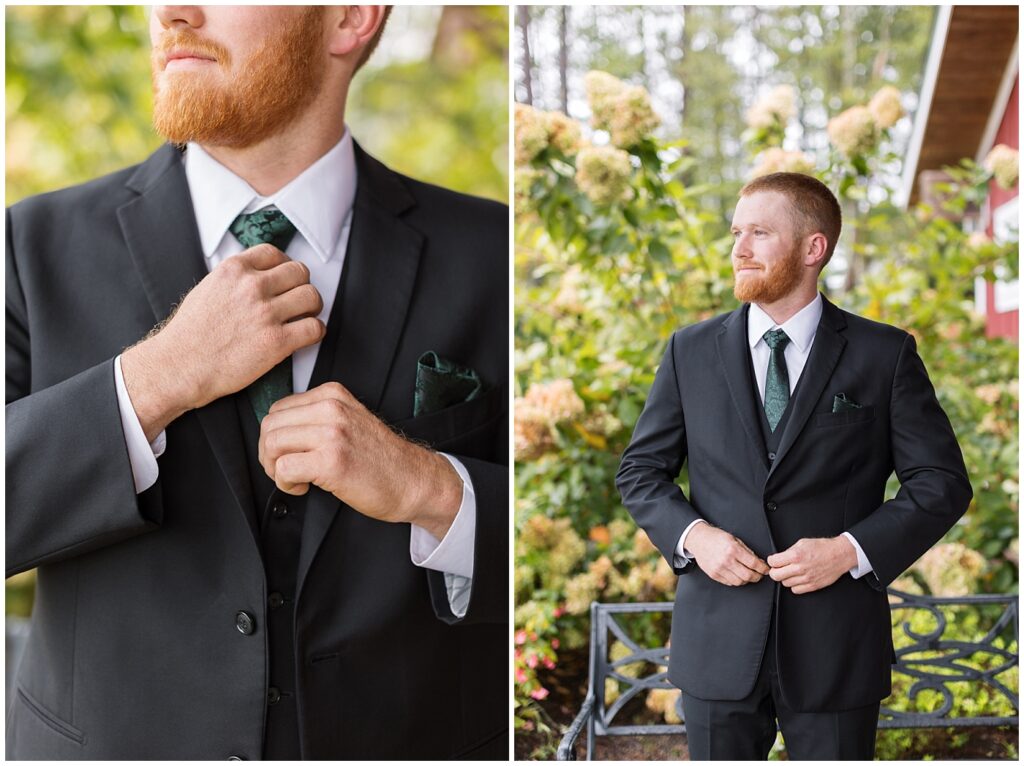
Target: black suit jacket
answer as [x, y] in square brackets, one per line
[834, 646]
[134, 651]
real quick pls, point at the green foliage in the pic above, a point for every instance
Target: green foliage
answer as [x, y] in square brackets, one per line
[602, 280]
[78, 94]
[444, 120]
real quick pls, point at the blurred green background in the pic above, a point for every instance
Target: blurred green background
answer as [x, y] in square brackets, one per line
[432, 103]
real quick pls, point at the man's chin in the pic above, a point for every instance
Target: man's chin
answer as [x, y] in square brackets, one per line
[748, 287]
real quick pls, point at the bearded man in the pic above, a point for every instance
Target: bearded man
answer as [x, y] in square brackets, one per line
[256, 426]
[792, 414]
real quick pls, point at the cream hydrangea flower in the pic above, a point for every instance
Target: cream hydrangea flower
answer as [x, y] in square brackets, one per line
[603, 173]
[776, 106]
[854, 131]
[623, 110]
[531, 133]
[1004, 163]
[951, 569]
[885, 106]
[563, 133]
[533, 435]
[776, 160]
[557, 400]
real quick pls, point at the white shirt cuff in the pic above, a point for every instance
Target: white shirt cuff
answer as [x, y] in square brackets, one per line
[682, 556]
[141, 453]
[453, 556]
[863, 565]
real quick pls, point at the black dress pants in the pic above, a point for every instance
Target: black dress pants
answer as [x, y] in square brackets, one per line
[744, 730]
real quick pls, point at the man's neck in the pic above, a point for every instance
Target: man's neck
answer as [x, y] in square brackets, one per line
[274, 162]
[782, 310]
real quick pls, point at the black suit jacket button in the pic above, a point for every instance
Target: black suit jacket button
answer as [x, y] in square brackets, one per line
[275, 600]
[771, 455]
[771, 507]
[273, 695]
[245, 623]
[280, 510]
[235, 758]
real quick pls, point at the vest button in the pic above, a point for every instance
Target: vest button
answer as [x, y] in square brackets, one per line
[235, 758]
[280, 510]
[273, 695]
[245, 623]
[771, 455]
[771, 507]
[275, 600]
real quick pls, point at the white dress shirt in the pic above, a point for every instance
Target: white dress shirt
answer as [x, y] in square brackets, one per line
[800, 329]
[319, 203]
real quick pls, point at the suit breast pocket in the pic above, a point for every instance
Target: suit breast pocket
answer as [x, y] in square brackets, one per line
[861, 415]
[464, 428]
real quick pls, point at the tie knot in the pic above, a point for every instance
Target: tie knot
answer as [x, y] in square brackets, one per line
[265, 225]
[776, 339]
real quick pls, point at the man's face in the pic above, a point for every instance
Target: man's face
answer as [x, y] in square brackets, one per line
[233, 76]
[767, 255]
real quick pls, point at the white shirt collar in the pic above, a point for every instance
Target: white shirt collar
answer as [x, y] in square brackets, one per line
[800, 328]
[318, 201]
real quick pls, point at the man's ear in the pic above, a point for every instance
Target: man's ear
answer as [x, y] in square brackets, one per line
[352, 27]
[816, 248]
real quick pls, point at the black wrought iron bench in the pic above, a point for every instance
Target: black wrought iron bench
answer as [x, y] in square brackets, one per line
[916, 649]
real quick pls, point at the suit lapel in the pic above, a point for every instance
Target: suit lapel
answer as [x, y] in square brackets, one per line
[368, 315]
[734, 354]
[160, 230]
[825, 352]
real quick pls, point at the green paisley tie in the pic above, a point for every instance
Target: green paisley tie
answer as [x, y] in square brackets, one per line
[254, 229]
[776, 388]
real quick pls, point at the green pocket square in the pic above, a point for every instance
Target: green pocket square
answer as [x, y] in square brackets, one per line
[841, 404]
[441, 383]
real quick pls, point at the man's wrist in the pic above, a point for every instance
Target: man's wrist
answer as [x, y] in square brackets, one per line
[154, 387]
[436, 496]
[847, 553]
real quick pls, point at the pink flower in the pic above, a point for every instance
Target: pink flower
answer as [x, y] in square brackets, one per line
[558, 612]
[528, 725]
[549, 663]
[533, 636]
[539, 694]
[520, 676]
[520, 637]
[519, 653]
[531, 660]
[555, 643]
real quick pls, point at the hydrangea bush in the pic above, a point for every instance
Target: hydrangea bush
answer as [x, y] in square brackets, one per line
[614, 252]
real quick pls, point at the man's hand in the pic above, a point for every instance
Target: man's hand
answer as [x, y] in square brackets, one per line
[326, 437]
[813, 563]
[724, 558]
[247, 315]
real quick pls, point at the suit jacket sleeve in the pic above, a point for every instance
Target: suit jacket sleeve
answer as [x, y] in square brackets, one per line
[69, 481]
[652, 461]
[934, 488]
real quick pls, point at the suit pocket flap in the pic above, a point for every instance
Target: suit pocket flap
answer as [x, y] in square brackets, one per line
[848, 417]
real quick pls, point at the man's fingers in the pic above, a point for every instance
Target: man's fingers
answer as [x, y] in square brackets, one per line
[782, 573]
[296, 468]
[781, 559]
[261, 257]
[300, 438]
[300, 301]
[332, 390]
[750, 560]
[283, 277]
[304, 332]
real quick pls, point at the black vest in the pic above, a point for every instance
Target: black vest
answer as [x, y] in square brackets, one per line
[279, 518]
